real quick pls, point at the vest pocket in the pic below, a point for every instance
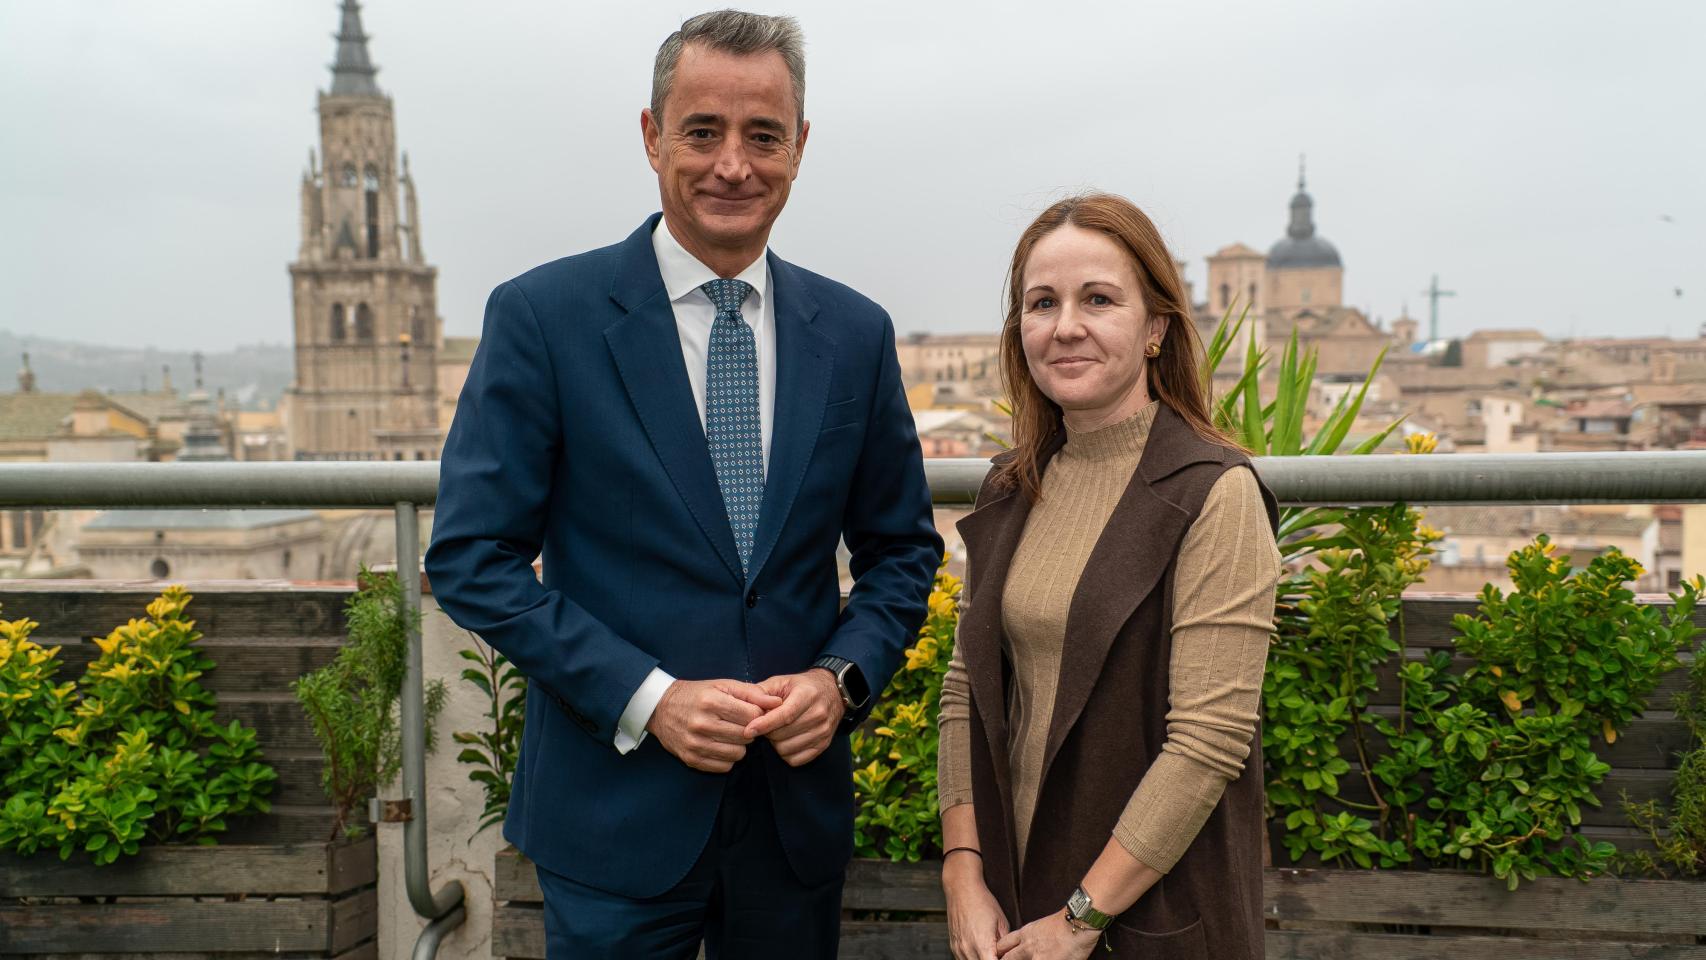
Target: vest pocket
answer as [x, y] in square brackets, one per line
[1185, 943]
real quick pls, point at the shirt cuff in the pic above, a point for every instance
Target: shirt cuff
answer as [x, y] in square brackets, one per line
[631, 726]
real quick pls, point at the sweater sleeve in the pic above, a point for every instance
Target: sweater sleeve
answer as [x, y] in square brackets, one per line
[1223, 608]
[953, 748]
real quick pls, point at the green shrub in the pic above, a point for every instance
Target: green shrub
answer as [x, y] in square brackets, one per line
[1332, 635]
[353, 701]
[492, 753]
[129, 753]
[1679, 832]
[1488, 768]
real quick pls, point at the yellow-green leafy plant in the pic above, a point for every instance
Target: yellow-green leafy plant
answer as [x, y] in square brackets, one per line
[128, 754]
[894, 755]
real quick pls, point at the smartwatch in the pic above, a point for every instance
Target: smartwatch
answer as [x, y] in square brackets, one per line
[849, 680]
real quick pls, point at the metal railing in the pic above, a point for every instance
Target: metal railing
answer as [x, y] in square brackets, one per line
[405, 487]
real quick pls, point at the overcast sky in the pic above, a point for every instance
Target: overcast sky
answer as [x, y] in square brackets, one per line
[1529, 153]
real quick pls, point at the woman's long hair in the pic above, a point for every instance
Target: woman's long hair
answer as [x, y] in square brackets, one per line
[1175, 377]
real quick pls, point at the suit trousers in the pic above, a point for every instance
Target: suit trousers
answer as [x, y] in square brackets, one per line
[741, 898]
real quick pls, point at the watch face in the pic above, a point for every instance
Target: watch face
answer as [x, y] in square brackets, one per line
[853, 679]
[1080, 900]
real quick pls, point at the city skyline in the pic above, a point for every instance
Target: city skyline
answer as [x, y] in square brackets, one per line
[1534, 169]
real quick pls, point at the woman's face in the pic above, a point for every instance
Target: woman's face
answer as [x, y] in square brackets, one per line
[1084, 326]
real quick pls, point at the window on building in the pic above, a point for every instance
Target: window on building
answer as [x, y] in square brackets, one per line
[160, 569]
[1252, 294]
[1225, 295]
[372, 207]
[417, 326]
[349, 175]
[286, 561]
[363, 323]
[20, 532]
[339, 331]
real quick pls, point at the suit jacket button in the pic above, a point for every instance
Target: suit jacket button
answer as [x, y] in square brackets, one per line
[751, 599]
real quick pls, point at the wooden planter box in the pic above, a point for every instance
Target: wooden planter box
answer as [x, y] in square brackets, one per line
[234, 902]
[1313, 914]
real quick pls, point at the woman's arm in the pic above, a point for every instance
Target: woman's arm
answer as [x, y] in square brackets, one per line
[975, 920]
[1223, 608]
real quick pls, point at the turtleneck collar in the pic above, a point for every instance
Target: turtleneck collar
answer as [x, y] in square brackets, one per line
[1117, 441]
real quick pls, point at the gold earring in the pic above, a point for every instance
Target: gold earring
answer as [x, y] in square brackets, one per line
[1153, 350]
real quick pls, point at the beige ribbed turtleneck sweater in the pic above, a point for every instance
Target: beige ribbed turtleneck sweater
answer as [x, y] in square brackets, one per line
[1222, 616]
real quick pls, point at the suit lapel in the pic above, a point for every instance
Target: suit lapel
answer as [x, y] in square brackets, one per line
[647, 349]
[804, 360]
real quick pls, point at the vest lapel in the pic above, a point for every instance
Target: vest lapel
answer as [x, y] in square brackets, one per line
[991, 534]
[1136, 547]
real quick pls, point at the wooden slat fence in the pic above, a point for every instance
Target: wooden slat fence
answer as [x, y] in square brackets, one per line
[290, 901]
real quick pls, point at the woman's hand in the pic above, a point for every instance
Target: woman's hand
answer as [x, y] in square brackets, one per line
[975, 920]
[1050, 938]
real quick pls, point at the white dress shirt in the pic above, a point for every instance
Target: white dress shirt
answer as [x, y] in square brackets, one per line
[683, 275]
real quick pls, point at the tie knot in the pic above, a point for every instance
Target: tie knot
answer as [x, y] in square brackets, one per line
[727, 295]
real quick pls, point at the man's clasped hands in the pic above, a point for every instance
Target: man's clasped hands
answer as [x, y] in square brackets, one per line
[708, 724]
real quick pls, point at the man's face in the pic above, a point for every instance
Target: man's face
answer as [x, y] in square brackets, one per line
[726, 149]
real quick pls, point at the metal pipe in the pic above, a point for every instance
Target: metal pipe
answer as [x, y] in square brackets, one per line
[1668, 476]
[1634, 477]
[426, 947]
[116, 486]
[415, 878]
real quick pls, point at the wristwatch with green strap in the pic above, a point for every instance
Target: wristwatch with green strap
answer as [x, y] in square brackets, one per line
[1083, 915]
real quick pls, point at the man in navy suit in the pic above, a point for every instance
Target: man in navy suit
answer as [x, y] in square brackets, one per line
[684, 426]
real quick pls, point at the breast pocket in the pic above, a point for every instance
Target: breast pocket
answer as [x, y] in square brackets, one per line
[842, 413]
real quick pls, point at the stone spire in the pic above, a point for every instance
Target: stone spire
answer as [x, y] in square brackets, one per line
[203, 440]
[1302, 209]
[26, 377]
[352, 72]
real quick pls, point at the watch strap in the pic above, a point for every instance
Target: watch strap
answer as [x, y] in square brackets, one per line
[1081, 911]
[838, 667]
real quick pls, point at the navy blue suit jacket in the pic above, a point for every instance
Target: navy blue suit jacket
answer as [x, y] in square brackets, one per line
[577, 436]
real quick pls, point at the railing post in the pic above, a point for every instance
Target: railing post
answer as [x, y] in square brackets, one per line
[415, 876]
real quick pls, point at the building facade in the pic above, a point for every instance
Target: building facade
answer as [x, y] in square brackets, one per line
[365, 300]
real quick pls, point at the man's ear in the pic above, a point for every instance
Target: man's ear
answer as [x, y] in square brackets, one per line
[651, 134]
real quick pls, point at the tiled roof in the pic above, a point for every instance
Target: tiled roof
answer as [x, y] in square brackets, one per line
[30, 415]
[1519, 521]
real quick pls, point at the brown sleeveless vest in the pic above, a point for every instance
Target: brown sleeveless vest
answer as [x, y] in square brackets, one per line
[1110, 716]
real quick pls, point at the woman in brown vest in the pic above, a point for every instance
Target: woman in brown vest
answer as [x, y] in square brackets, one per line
[1101, 772]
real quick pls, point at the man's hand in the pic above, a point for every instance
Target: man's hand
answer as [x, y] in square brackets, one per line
[703, 722]
[810, 711]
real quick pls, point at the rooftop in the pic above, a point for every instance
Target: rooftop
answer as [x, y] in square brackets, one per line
[197, 519]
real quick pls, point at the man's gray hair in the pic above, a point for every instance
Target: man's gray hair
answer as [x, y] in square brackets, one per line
[734, 31]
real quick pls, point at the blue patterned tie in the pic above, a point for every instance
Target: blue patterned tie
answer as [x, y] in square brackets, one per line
[731, 412]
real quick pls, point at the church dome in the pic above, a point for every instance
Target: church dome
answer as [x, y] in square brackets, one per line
[1300, 248]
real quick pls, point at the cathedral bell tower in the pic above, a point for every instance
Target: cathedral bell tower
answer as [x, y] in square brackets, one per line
[367, 328]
